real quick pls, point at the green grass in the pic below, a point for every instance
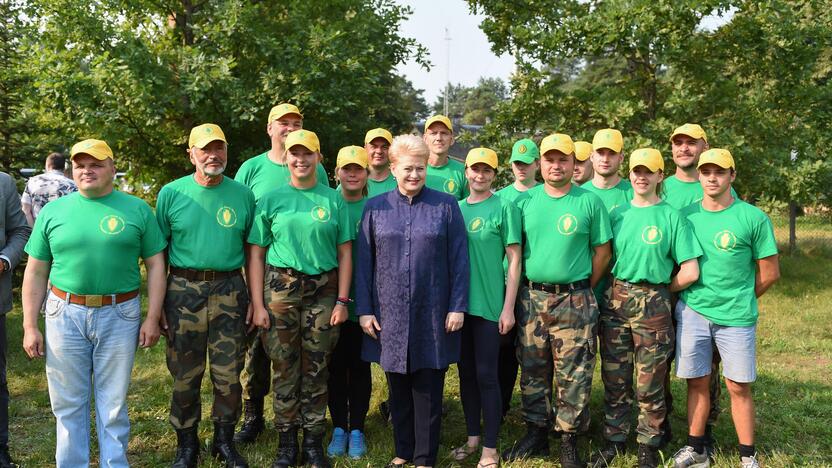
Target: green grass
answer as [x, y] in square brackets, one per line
[793, 394]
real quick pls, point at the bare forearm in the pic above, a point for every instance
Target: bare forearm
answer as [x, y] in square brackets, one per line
[255, 271]
[687, 275]
[34, 292]
[344, 270]
[156, 288]
[512, 281]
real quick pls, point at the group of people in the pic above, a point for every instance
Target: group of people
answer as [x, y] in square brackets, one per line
[415, 262]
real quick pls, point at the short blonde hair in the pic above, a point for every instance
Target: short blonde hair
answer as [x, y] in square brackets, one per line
[408, 145]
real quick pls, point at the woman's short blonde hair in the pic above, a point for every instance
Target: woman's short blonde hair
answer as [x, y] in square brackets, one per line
[408, 145]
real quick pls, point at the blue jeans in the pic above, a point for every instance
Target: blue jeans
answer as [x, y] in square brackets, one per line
[85, 344]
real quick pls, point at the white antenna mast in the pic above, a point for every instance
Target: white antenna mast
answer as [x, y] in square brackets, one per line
[447, 68]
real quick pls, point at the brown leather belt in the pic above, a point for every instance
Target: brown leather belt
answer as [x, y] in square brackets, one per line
[202, 275]
[95, 300]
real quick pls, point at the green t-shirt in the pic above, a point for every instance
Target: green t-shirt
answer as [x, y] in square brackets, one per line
[679, 194]
[449, 178]
[95, 244]
[302, 228]
[613, 197]
[732, 240]
[560, 234]
[355, 209]
[262, 175]
[510, 193]
[648, 241]
[206, 227]
[492, 224]
[378, 187]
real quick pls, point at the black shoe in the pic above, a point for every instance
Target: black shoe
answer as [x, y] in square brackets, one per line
[384, 411]
[604, 457]
[569, 457]
[187, 448]
[534, 444]
[648, 457]
[667, 433]
[223, 447]
[287, 449]
[6, 459]
[253, 422]
[312, 451]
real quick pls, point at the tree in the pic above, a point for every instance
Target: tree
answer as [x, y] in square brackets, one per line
[141, 73]
[475, 104]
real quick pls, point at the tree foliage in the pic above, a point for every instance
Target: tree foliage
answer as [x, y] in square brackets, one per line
[473, 105]
[141, 73]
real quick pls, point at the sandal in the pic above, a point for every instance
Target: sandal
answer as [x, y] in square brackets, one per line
[493, 464]
[463, 451]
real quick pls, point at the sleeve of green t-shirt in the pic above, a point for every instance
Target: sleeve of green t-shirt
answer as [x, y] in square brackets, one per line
[38, 244]
[162, 208]
[153, 241]
[261, 227]
[346, 232]
[600, 231]
[764, 244]
[511, 228]
[684, 246]
[323, 179]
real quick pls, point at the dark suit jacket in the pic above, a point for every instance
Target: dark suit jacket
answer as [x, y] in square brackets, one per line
[14, 232]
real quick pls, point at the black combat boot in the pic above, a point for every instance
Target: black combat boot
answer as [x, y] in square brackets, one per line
[253, 422]
[312, 450]
[534, 444]
[287, 449]
[603, 457]
[223, 447]
[648, 457]
[569, 457]
[187, 448]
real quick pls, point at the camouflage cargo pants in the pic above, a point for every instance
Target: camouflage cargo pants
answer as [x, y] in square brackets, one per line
[561, 329]
[636, 334]
[299, 343]
[257, 373]
[206, 319]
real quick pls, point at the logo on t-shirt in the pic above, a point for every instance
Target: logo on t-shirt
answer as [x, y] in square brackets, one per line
[450, 186]
[725, 240]
[567, 224]
[320, 214]
[651, 235]
[226, 216]
[111, 224]
[476, 224]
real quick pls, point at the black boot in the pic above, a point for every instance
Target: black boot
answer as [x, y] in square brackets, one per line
[187, 448]
[253, 422]
[603, 457]
[5, 458]
[534, 444]
[313, 450]
[223, 447]
[569, 457]
[648, 457]
[667, 433]
[287, 449]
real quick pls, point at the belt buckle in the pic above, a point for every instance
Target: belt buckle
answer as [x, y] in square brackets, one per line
[95, 300]
[209, 275]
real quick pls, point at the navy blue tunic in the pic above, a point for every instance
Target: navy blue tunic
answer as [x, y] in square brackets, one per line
[412, 270]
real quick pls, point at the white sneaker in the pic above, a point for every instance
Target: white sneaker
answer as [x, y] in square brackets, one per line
[687, 457]
[749, 462]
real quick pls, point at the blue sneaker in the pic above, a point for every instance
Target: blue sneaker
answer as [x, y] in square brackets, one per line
[358, 446]
[338, 444]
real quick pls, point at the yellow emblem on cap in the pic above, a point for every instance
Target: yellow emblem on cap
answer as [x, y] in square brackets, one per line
[320, 214]
[111, 225]
[522, 149]
[651, 235]
[226, 216]
[567, 224]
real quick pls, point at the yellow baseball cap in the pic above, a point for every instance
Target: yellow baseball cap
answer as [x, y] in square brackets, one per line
[583, 149]
[99, 149]
[691, 130]
[482, 155]
[557, 141]
[439, 118]
[280, 110]
[305, 138]
[203, 134]
[352, 155]
[647, 157]
[608, 138]
[720, 157]
[378, 133]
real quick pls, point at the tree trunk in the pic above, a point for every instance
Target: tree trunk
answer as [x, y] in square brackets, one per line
[792, 227]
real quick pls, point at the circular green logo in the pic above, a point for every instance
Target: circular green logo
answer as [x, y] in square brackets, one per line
[111, 225]
[450, 186]
[651, 235]
[476, 224]
[567, 224]
[320, 214]
[725, 240]
[226, 216]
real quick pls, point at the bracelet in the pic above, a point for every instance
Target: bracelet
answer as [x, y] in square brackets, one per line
[344, 301]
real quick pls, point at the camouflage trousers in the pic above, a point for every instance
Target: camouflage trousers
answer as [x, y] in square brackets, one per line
[559, 329]
[636, 335]
[206, 319]
[257, 372]
[299, 343]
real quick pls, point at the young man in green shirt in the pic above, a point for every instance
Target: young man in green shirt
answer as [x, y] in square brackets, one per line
[583, 163]
[525, 161]
[566, 251]
[607, 156]
[739, 264]
[444, 174]
[206, 218]
[377, 144]
[88, 245]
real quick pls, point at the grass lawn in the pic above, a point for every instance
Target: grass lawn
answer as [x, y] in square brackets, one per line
[793, 394]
